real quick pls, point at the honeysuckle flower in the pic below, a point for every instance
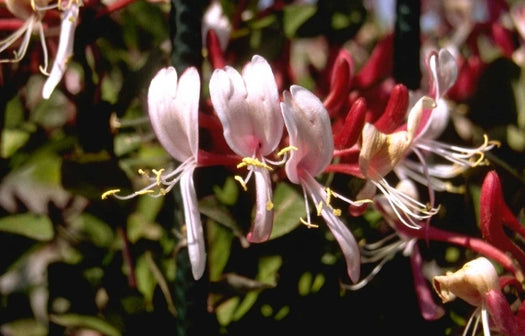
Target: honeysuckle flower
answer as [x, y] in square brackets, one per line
[443, 73]
[65, 46]
[472, 283]
[173, 106]
[380, 153]
[248, 108]
[32, 12]
[310, 133]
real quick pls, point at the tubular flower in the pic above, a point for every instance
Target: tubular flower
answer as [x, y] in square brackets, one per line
[65, 46]
[248, 108]
[173, 106]
[309, 130]
[380, 153]
[442, 70]
[32, 12]
[472, 283]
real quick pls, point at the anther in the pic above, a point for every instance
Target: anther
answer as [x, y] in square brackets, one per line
[308, 225]
[286, 150]
[241, 182]
[109, 193]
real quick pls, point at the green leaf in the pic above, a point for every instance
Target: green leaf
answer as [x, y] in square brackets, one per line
[289, 207]
[229, 193]
[24, 327]
[85, 322]
[33, 226]
[295, 16]
[145, 281]
[211, 208]
[219, 241]
[97, 231]
[12, 140]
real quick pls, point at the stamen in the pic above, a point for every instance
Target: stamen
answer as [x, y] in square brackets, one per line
[158, 175]
[269, 205]
[109, 193]
[286, 150]
[241, 182]
[248, 161]
[308, 224]
[319, 208]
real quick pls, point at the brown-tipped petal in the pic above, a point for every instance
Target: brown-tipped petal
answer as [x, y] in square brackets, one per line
[471, 283]
[353, 125]
[341, 82]
[395, 111]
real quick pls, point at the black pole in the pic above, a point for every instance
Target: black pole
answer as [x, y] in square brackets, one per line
[407, 44]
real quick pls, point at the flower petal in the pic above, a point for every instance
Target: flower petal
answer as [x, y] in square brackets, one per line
[248, 107]
[65, 49]
[173, 110]
[194, 232]
[263, 222]
[309, 128]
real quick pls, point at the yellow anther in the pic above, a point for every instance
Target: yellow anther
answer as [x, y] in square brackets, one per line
[144, 192]
[248, 161]
[336, 212]
[286, 150]
[143, 172]
[269, 205]
[158, 175]
[308, 225]
[241, 182]
[109, 193]
[319, 208]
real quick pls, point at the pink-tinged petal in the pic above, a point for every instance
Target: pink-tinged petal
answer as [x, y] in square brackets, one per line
[65, 49]
[248, 107]
[263, 222]
[194, 232]
[430, 311]
[340, 231]
[444, 72]
[310, 131]
[263, 98]
[173, 107]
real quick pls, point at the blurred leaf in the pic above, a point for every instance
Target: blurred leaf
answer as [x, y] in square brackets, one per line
[12, 140]
[29, 225]
[210, 207]
[229, 193]
[219, 242]
[141, 223]
[23, 327]
[145, 280]
[289, 207]
[295, 16]
[77, 321]
[97, 231]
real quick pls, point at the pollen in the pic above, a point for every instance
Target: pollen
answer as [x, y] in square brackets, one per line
[248, 161]
[109, 193]
[308, 224]
[319, 208]
[269, 205]
[158, 175]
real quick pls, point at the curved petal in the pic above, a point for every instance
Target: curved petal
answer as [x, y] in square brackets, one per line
[65, 49]
[173, 110]
[309, 128]
[342, 234]
[194, 232]
[248, 107]
[263, 222]
[444, 71]
[263, 98]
